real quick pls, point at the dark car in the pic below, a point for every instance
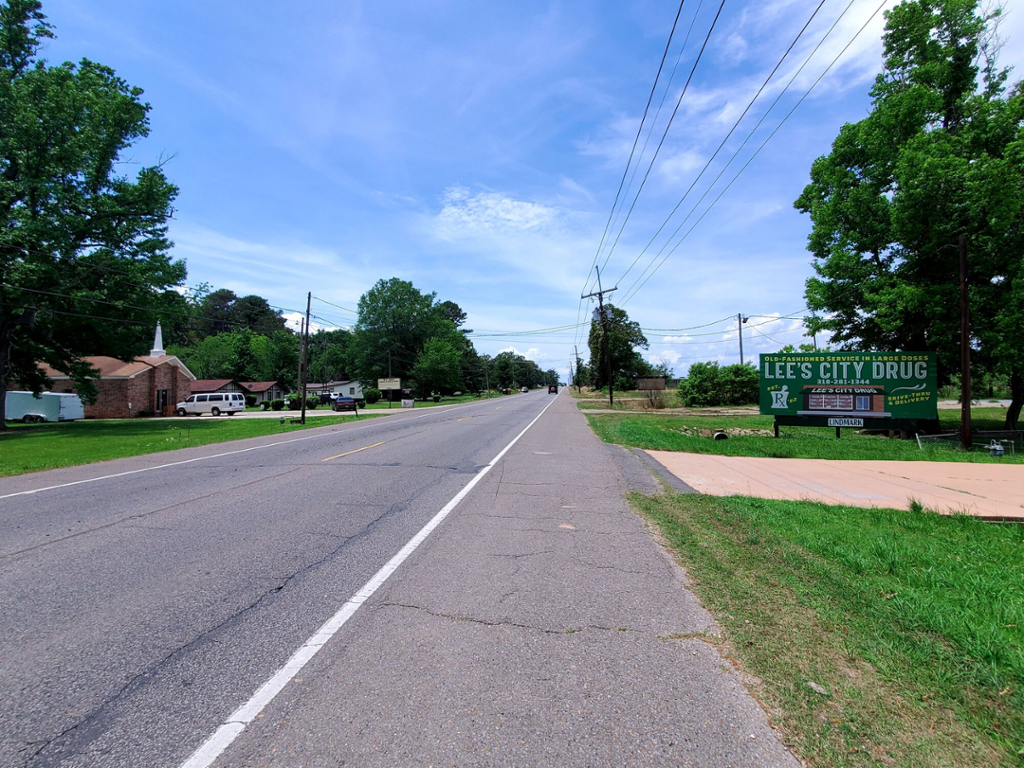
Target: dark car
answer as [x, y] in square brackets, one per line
[552, 389]
[346, 404]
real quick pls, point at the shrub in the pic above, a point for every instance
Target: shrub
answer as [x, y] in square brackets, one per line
[143, 413]
[295, 403]
[437, 398]
[372, 395]
[250, 401]
[312, 403]
[277, 404]
[707, 385]
[265, 405]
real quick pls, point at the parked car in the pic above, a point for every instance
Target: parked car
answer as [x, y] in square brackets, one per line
[214, 404]
[49, 406]
[346, 404]
[552, 389]
[524, 389]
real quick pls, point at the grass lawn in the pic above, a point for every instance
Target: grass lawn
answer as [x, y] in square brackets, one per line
[48, 446]
[670, 433]
[910, 625]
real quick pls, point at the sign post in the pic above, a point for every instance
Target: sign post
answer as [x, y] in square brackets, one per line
[880, 390]
[390, 385]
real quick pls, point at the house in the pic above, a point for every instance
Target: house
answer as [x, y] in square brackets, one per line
[151, 383]
[208, 386]
[264, 391]
[335, 388]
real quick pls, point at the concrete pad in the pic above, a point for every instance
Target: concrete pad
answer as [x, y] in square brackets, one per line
[991, 491]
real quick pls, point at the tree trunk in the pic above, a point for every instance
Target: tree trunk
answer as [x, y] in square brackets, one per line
[1016, 398]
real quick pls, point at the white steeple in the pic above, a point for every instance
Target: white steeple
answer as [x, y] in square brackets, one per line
[158, 343]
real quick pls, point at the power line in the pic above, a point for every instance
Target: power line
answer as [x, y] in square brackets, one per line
[632, 150]
[664, 134]
[732, 130]
[635, 290]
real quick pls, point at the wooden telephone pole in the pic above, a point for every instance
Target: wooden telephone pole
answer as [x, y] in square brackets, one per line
[604, 326]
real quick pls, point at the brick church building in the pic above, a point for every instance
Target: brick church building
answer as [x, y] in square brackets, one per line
[150, 383]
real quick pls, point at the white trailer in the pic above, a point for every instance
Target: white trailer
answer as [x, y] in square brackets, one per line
[48, 406]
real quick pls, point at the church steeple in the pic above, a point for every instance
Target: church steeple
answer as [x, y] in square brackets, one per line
[158, 343]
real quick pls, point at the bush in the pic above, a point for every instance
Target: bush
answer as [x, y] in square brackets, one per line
[708, 385]
[295, 403]
[250, 401]
[265, 405]
[143, 413]
[372, 395]
[277, 405]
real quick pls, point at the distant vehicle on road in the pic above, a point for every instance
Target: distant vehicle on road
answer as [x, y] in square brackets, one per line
[49, 406]
[552, 389]
[524, 389]
[346, 404]
[215, 404]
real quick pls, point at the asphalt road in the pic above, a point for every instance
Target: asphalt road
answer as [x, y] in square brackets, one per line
[137, 610]
[143, 601]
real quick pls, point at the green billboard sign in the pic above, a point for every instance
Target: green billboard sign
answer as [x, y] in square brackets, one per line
[849, 389]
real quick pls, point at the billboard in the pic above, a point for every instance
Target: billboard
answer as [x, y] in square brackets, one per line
[385, 384]
[849, 389]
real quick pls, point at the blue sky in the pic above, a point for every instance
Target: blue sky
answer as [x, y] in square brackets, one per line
[476, 150]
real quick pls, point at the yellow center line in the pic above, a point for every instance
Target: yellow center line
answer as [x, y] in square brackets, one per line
[357, 450]
[465, 417]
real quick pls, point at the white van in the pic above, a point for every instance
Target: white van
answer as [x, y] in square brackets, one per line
[49, 406]
[215, 404]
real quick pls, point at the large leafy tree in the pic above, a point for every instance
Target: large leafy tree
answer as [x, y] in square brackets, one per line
[395, 320]
[84, 262]
[439, 366]
[940, 155]
[624, 338]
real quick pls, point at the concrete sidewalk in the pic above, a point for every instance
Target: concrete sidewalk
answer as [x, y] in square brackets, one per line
[541, 625]
[994, 491]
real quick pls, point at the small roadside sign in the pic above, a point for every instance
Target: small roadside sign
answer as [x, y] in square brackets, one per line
[384, 384]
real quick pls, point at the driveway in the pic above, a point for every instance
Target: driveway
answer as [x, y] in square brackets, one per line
[991, 491]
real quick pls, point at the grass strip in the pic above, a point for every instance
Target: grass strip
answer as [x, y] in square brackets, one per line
[672, 433]
[50, 446]
[909, 625]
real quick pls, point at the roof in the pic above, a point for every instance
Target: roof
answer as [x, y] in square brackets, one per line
[112, 368]
[255, 386]
[318, 385]
[209, 385]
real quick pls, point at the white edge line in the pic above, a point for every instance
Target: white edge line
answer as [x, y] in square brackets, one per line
[237, 721]
[441, 409]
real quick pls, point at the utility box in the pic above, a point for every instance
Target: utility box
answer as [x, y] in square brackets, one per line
[48, 406]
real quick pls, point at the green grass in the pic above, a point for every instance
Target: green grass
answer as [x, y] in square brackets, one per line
[912, 622]
[49, 446]
[666, 433]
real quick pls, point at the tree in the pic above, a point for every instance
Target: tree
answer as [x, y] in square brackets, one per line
[438, 367]
[395, 319]
[940, 155]
[84, 264]
[624, 336]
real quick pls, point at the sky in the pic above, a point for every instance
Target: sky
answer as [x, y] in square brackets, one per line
[477, 150]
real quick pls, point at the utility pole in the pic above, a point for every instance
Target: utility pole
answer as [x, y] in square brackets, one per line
[740, 320]
[604, 326]
[576, 358]
[391, 392]
[304, 364]
[298, 373]
[965, 351]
